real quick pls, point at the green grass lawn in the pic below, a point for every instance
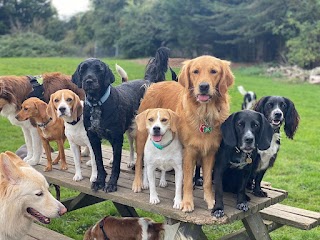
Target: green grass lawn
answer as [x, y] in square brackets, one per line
[296, 170]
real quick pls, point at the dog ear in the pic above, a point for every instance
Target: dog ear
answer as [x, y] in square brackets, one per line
[266, 133]
[108, 74]
[76, 77]
[16, 159]
[9, 171]
[184, 76]
[174, 120]
[77, 108]
[51, 111]
[228, 131]
[259, 106]
[227, 77]
[41, 107]
[291, 119]
[141, 120]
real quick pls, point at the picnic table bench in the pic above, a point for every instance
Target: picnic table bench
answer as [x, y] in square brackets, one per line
[125, 201]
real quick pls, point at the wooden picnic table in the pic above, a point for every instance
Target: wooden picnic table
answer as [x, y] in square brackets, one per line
[125, 200]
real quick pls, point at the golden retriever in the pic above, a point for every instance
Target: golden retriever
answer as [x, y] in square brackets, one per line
[201, 100]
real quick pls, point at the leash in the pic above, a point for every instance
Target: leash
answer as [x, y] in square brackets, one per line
[102, 99]
[101, 224]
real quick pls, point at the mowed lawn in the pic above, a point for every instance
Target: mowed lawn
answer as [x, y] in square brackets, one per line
[296, 170]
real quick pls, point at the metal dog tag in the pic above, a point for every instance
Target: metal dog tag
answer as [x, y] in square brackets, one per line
[249, 160]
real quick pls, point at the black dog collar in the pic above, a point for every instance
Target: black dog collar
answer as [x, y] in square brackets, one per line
[75, 121]
[102, 99]
[43, 125]
[247, 161]
[101, 224]
[38, 90]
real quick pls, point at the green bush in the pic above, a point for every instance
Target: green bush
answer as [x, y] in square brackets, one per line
[32, 45]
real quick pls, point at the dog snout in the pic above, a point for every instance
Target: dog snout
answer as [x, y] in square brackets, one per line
[89, 81]
[156, 130]
[62, 109]
[248, 140]
[204, 87]
[278, 115]
[62, 210]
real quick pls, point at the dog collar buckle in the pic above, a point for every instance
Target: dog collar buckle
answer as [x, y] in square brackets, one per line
[204, 128]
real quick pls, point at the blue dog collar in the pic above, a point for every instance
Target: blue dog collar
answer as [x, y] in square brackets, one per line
[159, 146]
[102, 99]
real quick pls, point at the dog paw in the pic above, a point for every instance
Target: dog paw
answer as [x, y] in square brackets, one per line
[111, 187]
[64, 167]
[48, 168]
[177, 203]
[77, 177]
[85, 152]
[93, 178]
[137, 186]
[56, 161]
[89, 163]
[145, 185]
[187, 206]
[111, 161]
[97, 185]
[198, 182]
[163, 183]
[219, 213]
[130, 164]
[243, 206]
[154, 200]
[32, 162]
[260, 193]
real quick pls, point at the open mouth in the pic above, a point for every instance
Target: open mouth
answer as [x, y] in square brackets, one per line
[156, 138]
[276, 122]
[247, 149]
[38, 216]
[203, 97]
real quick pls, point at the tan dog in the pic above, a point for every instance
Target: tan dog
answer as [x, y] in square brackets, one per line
[67, 105]
[49, 128]
[24, 197]
[202, 102]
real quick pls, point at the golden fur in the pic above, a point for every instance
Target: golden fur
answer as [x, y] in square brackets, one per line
[185, 99]
[53, 131]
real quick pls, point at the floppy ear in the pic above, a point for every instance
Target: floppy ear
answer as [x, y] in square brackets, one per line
[174, 120]
[51, 111]
[227, 77]
[10, 172]
[42, 107]
[77, 108]
[228, 131]
[16, 159]
[184, 76]
[266, 133]
[76, 77]
[291, 119]
[108, 74]
[259, 106]
[141, 120]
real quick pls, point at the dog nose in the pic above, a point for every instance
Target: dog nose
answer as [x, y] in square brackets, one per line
[156, 130]
[62, 109]
[248, 140]
[204, 87]
[89, 81]
[278, 114]
[62, 210]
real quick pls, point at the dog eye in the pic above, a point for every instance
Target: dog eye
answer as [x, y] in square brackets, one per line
[213, 71]
[270, 105]
[83, 68]
[150, 119]
[56, 100]
[69, 99]
[164, 120]
[39, 194]
[196, 71]
[240, 124]
[25, 109]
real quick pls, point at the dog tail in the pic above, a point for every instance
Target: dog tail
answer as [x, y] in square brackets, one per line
[122, 73]
[158, 66]
[242, 90]
[173, 75]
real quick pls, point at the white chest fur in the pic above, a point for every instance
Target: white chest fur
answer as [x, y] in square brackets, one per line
[266, 155]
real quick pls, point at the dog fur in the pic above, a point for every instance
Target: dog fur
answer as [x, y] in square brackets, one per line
[201, 100]
[162, 151]
[243, 133]
[66, 105]
[277, 110]
[49, 128]
[24, 197]
[15, 89]
[249, 98]
[111, 118]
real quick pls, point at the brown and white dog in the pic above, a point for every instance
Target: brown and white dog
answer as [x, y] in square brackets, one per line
[201, 100]
[15, 89]
[49, 129]
[66, 105]
[24, 198]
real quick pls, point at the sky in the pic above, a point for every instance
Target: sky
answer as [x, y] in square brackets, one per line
[67, 8]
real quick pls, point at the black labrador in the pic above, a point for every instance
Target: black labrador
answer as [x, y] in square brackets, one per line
[277, 110]
[109, 111]
[243, 133]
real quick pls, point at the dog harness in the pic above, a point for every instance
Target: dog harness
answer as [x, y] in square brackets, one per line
[38, 90]
[101, 224]
[102, 99]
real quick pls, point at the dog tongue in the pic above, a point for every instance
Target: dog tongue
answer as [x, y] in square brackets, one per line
[203, 98]
[156, 138]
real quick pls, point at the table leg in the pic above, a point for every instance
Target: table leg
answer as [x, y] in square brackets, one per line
[255, 227]
[187, 230]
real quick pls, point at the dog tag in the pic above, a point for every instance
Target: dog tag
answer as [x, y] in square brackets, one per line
[205, 128]
[249, 160]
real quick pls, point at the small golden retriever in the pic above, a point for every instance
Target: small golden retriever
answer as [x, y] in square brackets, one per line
[201, 100]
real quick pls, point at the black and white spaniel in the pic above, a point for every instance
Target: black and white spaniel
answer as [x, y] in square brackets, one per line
[249, 98]
[277, 110]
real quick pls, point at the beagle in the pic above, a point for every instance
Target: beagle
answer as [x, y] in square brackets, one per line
[163, 150]
[66, 105]
[49, 129]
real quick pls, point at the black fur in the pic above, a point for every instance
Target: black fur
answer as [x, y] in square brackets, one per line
[277, 110]
[111, 119]
[242, 134]
[158, 66]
